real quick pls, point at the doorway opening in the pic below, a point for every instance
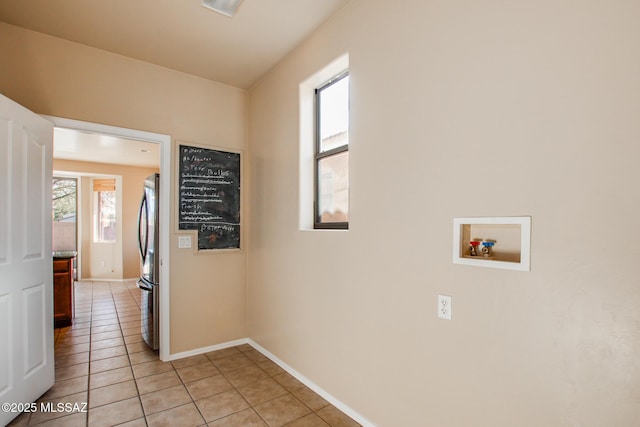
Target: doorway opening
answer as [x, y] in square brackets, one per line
[107, 136]
[65, 205]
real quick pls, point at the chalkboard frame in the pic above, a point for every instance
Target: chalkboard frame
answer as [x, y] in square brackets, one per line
[215, 150]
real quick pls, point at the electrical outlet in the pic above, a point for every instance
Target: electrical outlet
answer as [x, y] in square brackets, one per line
[444, 307]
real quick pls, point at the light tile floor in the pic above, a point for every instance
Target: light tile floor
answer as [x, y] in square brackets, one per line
[102, 360]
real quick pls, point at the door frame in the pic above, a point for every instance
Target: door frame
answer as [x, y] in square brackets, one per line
[164, 207]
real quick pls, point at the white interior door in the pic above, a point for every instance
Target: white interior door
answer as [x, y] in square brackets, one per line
[26, 272]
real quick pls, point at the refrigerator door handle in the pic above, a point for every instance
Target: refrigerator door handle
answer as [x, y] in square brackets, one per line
[143, 214]
[143, 286]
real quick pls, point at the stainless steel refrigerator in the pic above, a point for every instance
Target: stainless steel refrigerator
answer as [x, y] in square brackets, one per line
[148, 243]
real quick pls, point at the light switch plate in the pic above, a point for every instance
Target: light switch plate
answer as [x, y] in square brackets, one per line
[184, 242]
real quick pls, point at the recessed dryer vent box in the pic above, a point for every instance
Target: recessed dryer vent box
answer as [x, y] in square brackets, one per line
[506, 242]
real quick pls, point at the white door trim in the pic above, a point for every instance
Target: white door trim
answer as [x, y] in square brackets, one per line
[164, 207]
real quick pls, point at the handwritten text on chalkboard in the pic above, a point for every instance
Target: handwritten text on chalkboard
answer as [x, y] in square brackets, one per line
[209, 196]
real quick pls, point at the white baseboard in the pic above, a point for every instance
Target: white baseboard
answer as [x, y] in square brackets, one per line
[306, 381]
[202, 350]
[297, 375]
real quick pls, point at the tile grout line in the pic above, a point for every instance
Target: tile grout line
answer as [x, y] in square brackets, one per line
[89, 362]
[190, 396]
[238, 391]
[135, 382]
[125, 295]
[93, 301]
[130, 365]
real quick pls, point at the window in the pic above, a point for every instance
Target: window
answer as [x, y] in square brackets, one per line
[332, 154]
[64, 201]
[104, 203]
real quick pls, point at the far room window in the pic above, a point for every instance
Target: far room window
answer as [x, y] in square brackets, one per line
[64, 202]
[332, 153]
[104, 202]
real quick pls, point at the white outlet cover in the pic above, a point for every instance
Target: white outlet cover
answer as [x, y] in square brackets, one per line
[184, 242]
[444, 307]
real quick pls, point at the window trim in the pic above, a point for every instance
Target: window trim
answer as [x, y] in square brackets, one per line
[98, 229]
[318, 155]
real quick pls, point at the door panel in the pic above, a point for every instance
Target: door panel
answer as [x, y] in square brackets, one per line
[5, 336]
[5, 173]
[26, 271]
[33, 177]
[35, 350]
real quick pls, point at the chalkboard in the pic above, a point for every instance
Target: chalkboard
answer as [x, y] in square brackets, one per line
[209, 196]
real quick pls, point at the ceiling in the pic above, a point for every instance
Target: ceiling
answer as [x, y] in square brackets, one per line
[70, 144]
[178, 34]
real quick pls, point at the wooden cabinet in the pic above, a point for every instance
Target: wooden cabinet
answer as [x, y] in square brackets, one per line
[62, 291]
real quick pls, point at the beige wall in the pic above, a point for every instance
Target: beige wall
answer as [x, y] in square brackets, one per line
[542, 95]
[132, 185]
[58, 78]
[461, 108]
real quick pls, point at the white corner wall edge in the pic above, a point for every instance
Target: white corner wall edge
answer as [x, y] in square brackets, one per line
[525, 242]
[297, 375]
[307, 382]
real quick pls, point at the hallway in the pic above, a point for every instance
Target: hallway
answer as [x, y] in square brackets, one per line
[102, 361]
